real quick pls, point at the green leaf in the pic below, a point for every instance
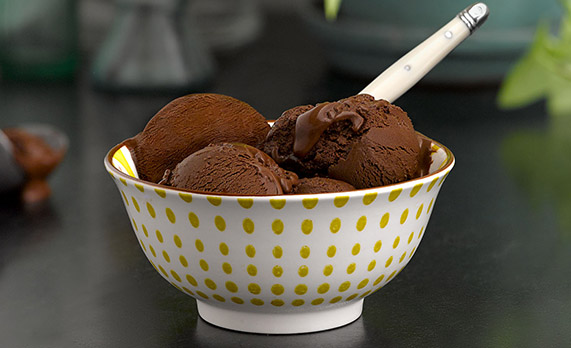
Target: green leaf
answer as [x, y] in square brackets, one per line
[559, 96]
[529, 78]
[331, 8]
[565, 25]
[526, 83]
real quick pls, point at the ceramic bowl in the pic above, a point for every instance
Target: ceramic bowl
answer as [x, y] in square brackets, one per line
[279, 264]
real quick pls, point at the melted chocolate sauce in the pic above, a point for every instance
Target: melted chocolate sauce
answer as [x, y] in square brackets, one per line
[311, 124]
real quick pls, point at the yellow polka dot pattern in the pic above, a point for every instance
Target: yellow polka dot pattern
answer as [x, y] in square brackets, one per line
[135, 204]
[199, 245]
[227, 268]
[277, 251]
[187, 197]
[331, 251]
[344, 286]
[351, 268]
[277, 303]
[361, 223]
[177, 241]
[304, 252]
[257, 302]
[183, 261]
[372, 265]
[335, 225]
[215, 201]
[277, 271]
[277, 226]
[220, 223]
[246, 203]
[277, 289]
[223, 249]
[159, 236]
[193, 219]
[340, 201]
[384, 220]
[323, 288]
[248, 225]
[205, 258]
[310, 203]
[204, 265]
[250, 251]
[151, 210]
[415, 189]
[252, 270]
[254, 288]
[297, 302]
[394, 194]
[278, 203]
[300, 289]
[170, 215]
[369, 198]
[307, 226]
[356, 249]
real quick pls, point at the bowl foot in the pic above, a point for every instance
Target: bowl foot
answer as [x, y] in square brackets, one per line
[280, 323]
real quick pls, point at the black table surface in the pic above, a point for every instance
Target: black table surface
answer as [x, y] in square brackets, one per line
[493, 269]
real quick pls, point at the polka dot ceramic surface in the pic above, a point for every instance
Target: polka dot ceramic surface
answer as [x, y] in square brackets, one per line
[280, 264]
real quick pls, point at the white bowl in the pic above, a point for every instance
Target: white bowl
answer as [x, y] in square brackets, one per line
[279, 264]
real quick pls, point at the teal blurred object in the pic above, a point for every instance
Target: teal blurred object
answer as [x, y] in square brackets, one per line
[369, 35]
[38, 39]
[152, 47]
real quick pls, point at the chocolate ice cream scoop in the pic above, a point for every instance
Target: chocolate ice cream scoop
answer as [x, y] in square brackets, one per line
[332, 139]
[321, 185]
[382, 156]
[230, 168]
[188, 124]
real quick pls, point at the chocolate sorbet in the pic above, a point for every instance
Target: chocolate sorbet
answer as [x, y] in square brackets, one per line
[359, 140]
[188, 124]
[230, 168]
[321, 185]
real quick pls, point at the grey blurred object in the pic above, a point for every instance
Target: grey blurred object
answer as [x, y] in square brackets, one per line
[11, 175]
[226, 24]
[152, 47]
[38, 39]
[369, 35]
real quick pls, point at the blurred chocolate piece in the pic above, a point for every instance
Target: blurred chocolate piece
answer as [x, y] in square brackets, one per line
[37, 159]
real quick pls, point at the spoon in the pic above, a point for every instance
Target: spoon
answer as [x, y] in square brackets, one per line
[408, 70]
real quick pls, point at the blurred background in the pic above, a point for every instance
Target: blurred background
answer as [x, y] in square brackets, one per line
[494, 271]
[175, 44]
[62, 61]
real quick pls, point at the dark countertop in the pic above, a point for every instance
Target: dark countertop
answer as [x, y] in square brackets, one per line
[494, 268]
